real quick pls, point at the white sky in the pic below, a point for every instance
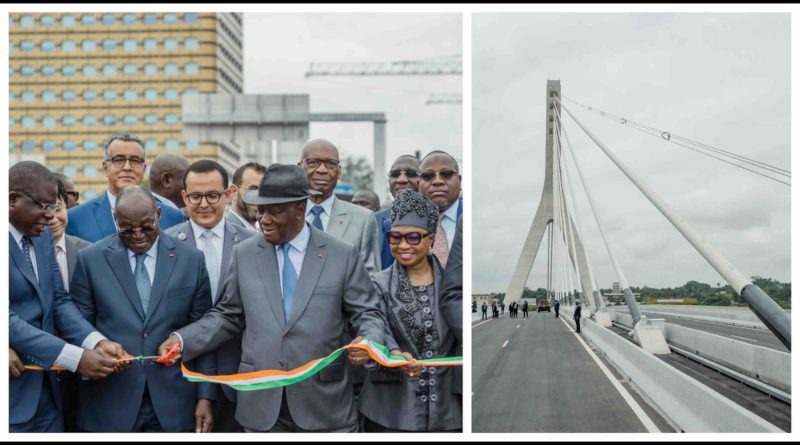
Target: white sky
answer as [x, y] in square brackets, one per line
[722, 79]
[279, 47]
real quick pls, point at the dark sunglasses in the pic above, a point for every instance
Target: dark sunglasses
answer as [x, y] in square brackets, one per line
[409, 173]
[412, 238]
[444, 174]
[130, 231]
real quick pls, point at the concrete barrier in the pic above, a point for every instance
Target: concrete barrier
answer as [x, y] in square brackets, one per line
[691, 405]
[736, 316]
[767, 365]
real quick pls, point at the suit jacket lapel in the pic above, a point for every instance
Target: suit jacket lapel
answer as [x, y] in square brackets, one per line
[268, 272]
[313, 261]
[165, 264]
[117, 257]
[72, 255]
[231, 239]
[22, 265]
[102, 214]
[339, 220]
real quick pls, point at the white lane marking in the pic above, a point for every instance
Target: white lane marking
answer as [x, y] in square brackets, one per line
[504, 344]
[517, 326]
[640, 414]
[745, 338]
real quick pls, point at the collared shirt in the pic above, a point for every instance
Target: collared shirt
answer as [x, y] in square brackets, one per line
[218, 239]
[149, 260]
[164, 201]
[112, 201]
[18, 238]
[61, 257]
[325, 216]
[70, 355]
[246, 223]
[297, 252]
[449, 222]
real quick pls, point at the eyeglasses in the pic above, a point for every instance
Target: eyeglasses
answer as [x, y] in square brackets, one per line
[412, 238]
[119, 162]
[444, 174]
[409, 173]
[74, 194]
[130, 231]
[197, 198]
[313, 163]
[45, 207]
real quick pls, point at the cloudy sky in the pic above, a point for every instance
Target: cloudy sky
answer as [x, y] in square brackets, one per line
[279, 47]
[722, 79]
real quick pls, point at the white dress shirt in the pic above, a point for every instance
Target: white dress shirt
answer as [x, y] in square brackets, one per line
[61, 257]
[218, 240]
[149, 261]
[112, 201]
[70, 355]
[325, 216]
[449, 222]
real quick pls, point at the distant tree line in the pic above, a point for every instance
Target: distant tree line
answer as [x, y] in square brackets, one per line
[705, 294]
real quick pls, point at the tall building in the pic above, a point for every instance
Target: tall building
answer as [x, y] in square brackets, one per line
[75, 78]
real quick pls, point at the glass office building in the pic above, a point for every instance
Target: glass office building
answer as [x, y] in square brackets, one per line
[75, 78]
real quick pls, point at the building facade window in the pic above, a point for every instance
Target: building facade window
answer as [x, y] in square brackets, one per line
[130, 119]
[192, 145]
[68, 95]
[70, 171]
[150, 44]
[26, 71]
[109, 44]
[48, 121]
[68, 121]
[89, 95]
[48, 96]
[109, 70]
[150, 69]
[150, 119]
[171, 94]
[89, 70]
[67, 20]
[89, 46]
[109, 120]
[149, 19]
[171, 44]
[171, 69]
[28, 146]
[171, 119]
[129, 45]
[27, 45]
[129, 19]
[48, 45]
[90, 171]
[109, 19]
[190, 17]
[69, 146]
[28, 121]
[47, 20]
[171, 144]
[89, 120]
[88, 19]
[170, 18]
[89, 145]
[28, 96]
[109, 94]
[130, 69]
[191, 68]
[48, 146]
[150, 144]
[130, 94]
[89, 195]
[26, 21]
[150, 94]
[191, 91]
[191, 43]
[68, 46]
[68, 70]
[48, 70]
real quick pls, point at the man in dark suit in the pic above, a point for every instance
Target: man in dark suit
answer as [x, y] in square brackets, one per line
[166, 176]
[38, 304]
[299, 289]
[245, 178]
[404, 174]
[205, 193]
[577, 316]
[124, 164]
[440, 182]
[557, 306]
[138, 287]
[451, 301]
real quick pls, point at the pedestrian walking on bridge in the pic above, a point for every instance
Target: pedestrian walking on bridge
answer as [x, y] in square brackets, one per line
[577, 316]
[525, 310]
[557, 306]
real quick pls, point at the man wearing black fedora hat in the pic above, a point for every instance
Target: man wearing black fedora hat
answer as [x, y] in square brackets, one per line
[299, 290]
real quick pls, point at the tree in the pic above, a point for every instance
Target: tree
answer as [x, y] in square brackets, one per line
[357, 172]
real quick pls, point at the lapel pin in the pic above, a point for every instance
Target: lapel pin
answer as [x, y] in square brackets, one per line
[182, 236]
[341, 221]
[171, 254]
[321, 255]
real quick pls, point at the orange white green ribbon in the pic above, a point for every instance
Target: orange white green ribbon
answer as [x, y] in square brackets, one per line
[268, 378]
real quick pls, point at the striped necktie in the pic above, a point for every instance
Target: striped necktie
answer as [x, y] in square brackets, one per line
[289, 279]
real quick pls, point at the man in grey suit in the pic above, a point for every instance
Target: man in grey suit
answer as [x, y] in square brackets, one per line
[137, 287]
[298, 289]
[205, 193]
[245, 178]
[350, 223]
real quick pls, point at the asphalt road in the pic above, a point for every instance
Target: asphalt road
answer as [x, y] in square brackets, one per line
[534, 375]
[759, 337]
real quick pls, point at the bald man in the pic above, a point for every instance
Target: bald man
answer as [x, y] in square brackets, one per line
[166, 179]
[346, 221]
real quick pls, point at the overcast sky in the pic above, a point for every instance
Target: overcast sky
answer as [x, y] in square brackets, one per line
[721, 79]
[278, 48]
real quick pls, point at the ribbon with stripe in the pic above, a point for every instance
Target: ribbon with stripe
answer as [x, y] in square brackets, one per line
[269, 378]
[124, 358]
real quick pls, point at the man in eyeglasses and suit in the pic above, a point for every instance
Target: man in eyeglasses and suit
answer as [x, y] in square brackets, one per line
[124, 163]
[440, 182]
[404, 174]
[205, 193]
[293, 292]
[137, 287]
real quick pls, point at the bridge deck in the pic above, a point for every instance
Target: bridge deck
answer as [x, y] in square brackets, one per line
[538, 377]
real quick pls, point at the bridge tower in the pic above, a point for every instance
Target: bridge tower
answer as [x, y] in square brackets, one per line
[544, 214]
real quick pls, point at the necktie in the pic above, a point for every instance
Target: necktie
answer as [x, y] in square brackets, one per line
[440, 247]
[212, 261]
[26, 250]
[317, 210]
[142, 280]
[61, 269]
[289, 279]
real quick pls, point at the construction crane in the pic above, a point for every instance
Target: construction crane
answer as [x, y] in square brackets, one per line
[440, 66]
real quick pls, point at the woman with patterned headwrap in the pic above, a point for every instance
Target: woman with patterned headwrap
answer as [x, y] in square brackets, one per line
[412, 398]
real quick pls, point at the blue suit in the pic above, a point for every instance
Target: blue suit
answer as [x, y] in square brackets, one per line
[383, 218]
[104, 289]
[36, 309]
[92, 220]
